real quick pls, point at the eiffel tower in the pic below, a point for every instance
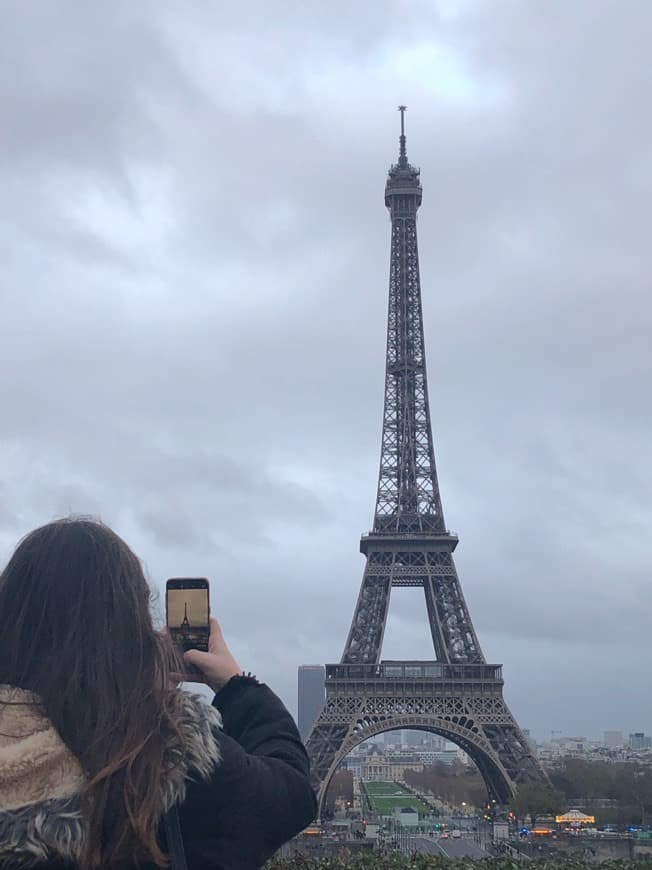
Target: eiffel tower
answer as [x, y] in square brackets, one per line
[458, 695]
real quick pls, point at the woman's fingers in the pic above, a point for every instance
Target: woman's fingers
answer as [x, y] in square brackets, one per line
[205, 661]
[218, 664]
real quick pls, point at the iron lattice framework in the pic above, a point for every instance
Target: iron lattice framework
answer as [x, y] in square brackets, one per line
[458, 695]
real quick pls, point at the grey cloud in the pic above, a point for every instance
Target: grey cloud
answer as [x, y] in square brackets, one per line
[194, 285]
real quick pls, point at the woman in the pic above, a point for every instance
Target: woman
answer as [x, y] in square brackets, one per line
[98, 745]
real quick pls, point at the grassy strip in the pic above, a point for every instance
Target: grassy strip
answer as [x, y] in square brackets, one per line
[385, 797]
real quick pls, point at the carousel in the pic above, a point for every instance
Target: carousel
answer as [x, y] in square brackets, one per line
[575, 819]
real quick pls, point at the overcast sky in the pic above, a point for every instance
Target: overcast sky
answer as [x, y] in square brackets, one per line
[193, 292]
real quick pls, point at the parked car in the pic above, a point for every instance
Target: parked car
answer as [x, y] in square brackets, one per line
[456, 835]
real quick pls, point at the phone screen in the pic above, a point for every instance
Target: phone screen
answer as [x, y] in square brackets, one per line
[188, 610]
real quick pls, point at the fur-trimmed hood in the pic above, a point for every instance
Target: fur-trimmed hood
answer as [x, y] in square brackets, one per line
[41, 780]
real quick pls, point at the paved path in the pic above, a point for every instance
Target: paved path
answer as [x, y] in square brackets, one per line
[464, 847]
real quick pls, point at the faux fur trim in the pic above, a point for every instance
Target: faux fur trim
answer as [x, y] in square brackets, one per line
[41, 780]
[35, 763]
[41, 832]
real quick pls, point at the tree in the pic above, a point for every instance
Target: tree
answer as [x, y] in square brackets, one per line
[452, 783]
[584, 779]
[627, 784]
[535, 800]
[633, 788]
[341, 786]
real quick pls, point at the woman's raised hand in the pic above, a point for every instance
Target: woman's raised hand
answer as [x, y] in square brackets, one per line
[218, 664]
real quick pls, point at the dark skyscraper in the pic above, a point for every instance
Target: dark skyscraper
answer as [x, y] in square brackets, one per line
[311, 696]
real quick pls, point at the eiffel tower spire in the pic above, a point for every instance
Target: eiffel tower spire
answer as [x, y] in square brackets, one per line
[402, 154]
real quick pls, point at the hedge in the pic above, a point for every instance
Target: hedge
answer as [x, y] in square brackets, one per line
[436, 862]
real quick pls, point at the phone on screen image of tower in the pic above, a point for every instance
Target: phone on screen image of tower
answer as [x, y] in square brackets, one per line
[187, 612]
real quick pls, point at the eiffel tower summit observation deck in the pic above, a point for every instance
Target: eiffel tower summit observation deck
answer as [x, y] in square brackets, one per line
[456, 695]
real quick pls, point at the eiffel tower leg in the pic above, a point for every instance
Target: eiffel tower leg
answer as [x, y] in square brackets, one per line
[515, 753]
[323, 746]
[365, 638]
[453, 635]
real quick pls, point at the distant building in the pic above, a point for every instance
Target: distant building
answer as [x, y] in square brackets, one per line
[613, 739]
[638, 740]
[381, 767]
[612, 749]
[413, 738]
[311, 696]
[574, 747]
[445, 756]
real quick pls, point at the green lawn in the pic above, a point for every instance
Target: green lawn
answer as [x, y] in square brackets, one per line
[385, 797]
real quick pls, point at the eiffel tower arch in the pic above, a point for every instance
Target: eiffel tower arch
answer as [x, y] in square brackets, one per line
[456, 695]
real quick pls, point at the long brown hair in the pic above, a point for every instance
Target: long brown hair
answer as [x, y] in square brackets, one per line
[76, 629]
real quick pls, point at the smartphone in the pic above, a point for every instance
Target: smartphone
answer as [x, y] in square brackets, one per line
[187, 613]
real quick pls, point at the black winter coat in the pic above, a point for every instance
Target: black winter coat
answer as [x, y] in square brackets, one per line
[242, 785]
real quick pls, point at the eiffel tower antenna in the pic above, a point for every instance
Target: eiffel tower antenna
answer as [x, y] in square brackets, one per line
[456, 695]
[402, 154]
